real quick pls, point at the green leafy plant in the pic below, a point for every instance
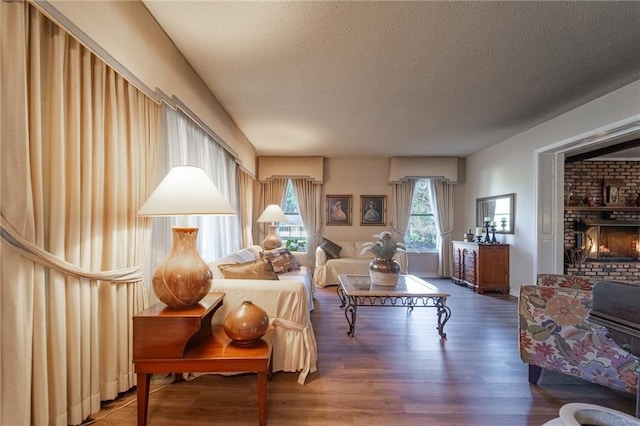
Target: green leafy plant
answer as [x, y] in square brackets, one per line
[292, 245]
[385, 248]
[296, 244]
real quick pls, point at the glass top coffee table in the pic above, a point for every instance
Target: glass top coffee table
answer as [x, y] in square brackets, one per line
[411, 292]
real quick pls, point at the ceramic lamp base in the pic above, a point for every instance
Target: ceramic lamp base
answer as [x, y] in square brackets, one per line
[272, 241]
[183, 278]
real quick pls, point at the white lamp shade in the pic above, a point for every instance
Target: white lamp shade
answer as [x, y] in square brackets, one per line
[186, 190]
[273, 213]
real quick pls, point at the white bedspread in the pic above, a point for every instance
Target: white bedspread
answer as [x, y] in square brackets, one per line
[295, 348]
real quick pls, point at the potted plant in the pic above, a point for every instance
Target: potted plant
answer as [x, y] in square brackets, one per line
[383, 269]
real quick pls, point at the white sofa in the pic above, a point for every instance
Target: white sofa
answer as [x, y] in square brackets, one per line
[351, 261]
[288, 302]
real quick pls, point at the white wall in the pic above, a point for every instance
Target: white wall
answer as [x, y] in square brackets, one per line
[423, 264]
[355, 177]
[510, 167]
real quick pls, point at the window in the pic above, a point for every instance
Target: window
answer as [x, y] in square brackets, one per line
[422, 231]
[501, 215]
[292, 233]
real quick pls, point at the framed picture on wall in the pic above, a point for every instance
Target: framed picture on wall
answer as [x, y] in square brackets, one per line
[338, 209]
[373, 209]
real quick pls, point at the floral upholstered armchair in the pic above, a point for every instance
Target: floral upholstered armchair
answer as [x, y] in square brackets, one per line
[555, 334]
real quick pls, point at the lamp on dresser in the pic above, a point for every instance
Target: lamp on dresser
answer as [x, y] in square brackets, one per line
[273, 213]
[184, 278]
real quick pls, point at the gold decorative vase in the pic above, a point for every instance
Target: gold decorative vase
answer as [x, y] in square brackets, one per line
[246, 323]
[384, 272]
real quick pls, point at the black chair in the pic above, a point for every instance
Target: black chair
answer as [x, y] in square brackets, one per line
[616, 305]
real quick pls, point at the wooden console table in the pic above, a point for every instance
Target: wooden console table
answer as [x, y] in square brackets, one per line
[168, 340]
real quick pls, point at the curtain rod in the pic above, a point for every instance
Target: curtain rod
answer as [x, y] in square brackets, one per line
[175, 103]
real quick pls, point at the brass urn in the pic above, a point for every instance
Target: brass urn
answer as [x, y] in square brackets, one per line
[384, 272]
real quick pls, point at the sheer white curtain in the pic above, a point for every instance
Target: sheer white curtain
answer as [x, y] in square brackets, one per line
[442, 196]
[309, 196]
[78, 157]
[401, 197]
[188, 143]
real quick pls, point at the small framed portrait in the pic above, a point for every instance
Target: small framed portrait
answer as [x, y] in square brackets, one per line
[338, 209]
[373, 209]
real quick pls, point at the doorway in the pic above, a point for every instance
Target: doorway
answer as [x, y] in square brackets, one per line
[549, 192]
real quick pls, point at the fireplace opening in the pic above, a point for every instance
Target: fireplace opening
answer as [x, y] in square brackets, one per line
[613, 241]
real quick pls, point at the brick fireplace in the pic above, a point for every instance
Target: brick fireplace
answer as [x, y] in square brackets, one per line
[602, 240]
[612, 241]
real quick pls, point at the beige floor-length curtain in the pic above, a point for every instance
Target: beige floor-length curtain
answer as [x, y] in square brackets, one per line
[402, 197]
[442, 196]
[245, 187]
[78, 151]
[271, 192]
[309, 196]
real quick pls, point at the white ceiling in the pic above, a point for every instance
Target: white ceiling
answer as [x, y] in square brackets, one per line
[370, 79]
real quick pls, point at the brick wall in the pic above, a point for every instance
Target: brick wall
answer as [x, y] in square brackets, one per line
[606, 270]
[586, 178]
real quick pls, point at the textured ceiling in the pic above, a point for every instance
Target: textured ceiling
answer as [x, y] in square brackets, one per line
[370, 79]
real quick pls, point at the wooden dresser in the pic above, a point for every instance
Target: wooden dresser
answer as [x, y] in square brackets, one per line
[483, 267]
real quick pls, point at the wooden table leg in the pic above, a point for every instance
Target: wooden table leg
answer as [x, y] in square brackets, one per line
[142, 393]
[262, 398]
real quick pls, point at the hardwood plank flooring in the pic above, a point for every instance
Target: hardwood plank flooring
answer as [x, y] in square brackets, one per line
[395, 371]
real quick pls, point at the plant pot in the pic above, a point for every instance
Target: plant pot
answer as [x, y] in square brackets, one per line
[384, 272]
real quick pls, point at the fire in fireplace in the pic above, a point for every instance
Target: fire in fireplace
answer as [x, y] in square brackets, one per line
[613, 241]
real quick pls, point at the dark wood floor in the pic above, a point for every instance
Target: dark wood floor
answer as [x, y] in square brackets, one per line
[395, 371]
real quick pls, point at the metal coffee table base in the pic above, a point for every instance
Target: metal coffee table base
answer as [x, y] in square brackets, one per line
[410, 302]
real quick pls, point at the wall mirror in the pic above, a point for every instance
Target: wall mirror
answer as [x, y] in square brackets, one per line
[499, 210]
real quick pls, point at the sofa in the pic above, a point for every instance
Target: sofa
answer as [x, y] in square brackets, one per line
[555, 334]
[347, 259]
[288, 300]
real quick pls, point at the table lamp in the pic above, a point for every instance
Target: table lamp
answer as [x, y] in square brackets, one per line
[184, 278]
[273, 213]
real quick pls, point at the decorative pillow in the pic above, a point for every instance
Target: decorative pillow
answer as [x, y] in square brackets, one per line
[282, 260]
[331, 248]
[260, 269]
[244, 255]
